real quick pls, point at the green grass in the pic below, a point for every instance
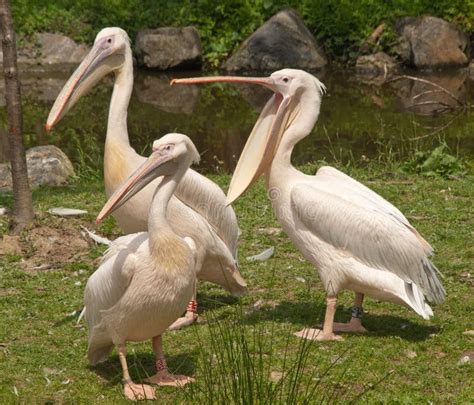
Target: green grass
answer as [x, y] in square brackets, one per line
[42, 351]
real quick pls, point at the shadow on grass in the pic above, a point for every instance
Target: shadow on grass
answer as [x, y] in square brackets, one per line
[311, 314]
[141, 365]
[213, 302]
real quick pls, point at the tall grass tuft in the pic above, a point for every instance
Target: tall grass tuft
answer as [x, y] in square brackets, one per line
[238, 363]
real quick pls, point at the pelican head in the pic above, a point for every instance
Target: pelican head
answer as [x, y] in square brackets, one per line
[108, 54]
[292, 89]
[172, 154]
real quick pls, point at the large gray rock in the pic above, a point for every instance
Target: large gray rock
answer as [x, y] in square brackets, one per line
[169, 48]
[47, 165]
[49, 52]
[431, 43]
[377, 64]
[283, 41]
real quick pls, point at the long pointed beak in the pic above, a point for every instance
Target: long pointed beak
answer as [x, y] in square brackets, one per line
[263, 81]
[262, 143]
[152, 168]
[88, 73]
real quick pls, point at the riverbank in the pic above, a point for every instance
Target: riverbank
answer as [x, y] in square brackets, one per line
[403, 358]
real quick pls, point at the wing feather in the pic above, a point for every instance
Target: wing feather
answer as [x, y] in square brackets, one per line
[354, 219]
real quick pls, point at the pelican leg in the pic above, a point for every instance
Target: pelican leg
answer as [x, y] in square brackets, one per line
[134, 392]
[355, 324]
[327, 332]
[163, 376]
[190, 316]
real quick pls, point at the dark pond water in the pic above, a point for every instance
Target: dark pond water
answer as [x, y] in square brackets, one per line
[360, 119]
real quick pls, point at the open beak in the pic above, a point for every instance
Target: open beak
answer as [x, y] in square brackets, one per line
[158, 164]
[265, 137]
[89, 72]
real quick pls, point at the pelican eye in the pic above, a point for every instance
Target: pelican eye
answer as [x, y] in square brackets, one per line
[109, 40]
[285, 79]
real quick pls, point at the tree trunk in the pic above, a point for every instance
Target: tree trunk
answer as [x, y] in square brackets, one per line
[22, 206]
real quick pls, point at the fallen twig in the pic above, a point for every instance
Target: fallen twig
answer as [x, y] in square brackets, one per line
[441, 88]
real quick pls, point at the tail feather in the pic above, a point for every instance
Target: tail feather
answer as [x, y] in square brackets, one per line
[98, 354]
[416, 301]
[435, 291]
[100, 345]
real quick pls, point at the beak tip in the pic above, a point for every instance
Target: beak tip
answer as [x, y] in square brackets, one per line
[48, 127]
[172, 82]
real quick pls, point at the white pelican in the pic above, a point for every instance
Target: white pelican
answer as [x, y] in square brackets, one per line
[197, 200]
[356, 239]
[140, 290]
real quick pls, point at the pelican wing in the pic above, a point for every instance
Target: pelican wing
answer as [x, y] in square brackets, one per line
[207, 198]
[347, 215]
[130, 241]
[110, 281]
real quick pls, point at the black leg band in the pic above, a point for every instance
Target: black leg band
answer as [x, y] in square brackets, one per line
[357, 312]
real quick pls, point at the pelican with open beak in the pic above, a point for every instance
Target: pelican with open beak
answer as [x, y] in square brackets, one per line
[356, 239]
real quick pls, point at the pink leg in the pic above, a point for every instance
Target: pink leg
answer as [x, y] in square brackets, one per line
[163, 376]
[327, 332]
[190, 316]
[355, 324]
[134, 392]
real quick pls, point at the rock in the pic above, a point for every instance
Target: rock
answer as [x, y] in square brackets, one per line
[430, 42]
[169, 48]
[48, 51]
[282, 42]
[377, 64]
[47, 165]
[156, 90]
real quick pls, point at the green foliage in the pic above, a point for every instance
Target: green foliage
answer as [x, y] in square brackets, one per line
[437, 162]
[248, 352]
[342, 25]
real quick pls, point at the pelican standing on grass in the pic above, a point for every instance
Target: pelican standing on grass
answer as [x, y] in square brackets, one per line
[140, 291]
[197, 200]
[356, 239]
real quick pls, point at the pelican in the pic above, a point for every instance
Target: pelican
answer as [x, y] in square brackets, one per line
[356, 239]
[139, 291]
[197, 200]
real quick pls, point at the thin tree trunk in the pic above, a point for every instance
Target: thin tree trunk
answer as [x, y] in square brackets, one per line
[22, 206]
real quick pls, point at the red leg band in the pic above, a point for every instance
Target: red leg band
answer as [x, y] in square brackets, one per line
[161, 365]
[192, 306]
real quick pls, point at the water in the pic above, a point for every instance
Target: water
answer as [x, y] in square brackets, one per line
[360, 120]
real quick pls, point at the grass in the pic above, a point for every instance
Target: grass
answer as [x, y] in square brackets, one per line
[244, 350]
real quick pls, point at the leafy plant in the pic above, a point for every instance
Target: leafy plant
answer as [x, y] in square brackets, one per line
[438, 162]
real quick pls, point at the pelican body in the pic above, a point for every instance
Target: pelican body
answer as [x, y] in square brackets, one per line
[197, 200]
[356, 239]
[139, 291]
